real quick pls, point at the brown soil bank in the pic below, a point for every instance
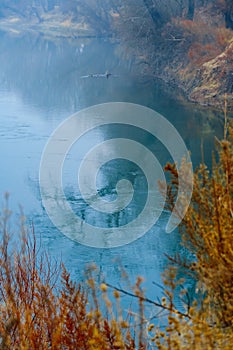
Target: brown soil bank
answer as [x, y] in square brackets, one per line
[192, 50]
[214, 80]
[199, 57]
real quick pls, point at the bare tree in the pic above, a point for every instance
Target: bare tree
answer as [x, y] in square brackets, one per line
[154, 13]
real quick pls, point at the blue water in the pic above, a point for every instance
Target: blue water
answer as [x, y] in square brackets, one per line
[41, 86]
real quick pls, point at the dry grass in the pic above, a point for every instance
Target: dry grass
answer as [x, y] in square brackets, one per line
[36, 315]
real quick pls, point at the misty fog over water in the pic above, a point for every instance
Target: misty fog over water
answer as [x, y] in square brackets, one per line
[43, 82]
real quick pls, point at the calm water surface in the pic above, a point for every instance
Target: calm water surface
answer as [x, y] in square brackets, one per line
[40, 86]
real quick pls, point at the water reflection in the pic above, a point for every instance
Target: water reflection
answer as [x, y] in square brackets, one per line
[40, 86]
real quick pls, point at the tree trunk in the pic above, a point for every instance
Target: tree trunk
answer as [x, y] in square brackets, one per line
[155, 15]
[191, 8]
[229, 14]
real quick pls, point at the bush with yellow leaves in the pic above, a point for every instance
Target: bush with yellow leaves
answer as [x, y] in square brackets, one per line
[207, 232]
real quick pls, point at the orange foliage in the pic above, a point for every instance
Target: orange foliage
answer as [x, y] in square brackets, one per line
[36, 315]
[206, 42]
[207, 232]
[199, 53]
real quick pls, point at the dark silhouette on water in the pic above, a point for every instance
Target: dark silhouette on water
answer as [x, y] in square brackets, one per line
[108, 74]
[104, 75]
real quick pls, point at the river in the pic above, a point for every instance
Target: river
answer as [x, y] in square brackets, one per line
[42, 82]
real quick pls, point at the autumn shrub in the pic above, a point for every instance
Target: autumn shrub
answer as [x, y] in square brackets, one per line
[204, 41]
[207, 232]
[37, 312]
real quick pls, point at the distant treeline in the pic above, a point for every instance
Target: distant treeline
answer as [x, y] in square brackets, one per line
[99, 12]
